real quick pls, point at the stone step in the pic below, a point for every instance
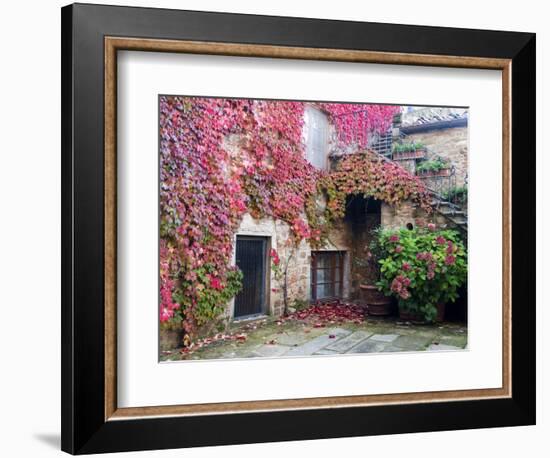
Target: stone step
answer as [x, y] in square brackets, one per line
[451, 212]
[443, 204]
[461, 221]
[457, 219]
[460, 224]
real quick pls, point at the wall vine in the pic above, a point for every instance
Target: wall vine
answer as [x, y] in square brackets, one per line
[221, 158]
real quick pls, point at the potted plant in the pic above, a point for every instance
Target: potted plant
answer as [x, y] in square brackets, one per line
[376, 302]
[372, 298]
[405, 151]
[423, 268]
[433, 168]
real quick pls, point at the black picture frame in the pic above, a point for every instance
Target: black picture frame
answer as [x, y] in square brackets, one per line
[84, 428]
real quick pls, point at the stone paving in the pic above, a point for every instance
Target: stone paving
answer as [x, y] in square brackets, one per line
[294, 338]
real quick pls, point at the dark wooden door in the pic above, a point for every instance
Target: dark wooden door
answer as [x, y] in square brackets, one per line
[251, 259]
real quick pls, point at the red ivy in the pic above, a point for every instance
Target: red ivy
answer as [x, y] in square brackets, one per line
[221, 158]
[371, 176]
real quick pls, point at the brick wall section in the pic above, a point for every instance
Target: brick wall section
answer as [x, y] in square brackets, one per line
[451, 144]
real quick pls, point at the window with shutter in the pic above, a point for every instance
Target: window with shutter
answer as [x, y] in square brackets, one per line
[317, 138]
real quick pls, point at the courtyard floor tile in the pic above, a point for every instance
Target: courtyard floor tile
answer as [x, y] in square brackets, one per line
[269, 338]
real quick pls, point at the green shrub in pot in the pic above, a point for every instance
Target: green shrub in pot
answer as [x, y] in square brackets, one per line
[421, 267]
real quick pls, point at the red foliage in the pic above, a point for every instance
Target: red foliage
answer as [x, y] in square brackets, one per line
[322, 314]
[207, 184]
[371, 176]
[354, 122]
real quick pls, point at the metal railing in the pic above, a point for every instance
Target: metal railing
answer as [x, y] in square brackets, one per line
[382, 144]
[443, 185]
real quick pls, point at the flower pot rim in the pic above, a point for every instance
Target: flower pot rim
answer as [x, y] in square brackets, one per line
[410, 152]
[433, 172]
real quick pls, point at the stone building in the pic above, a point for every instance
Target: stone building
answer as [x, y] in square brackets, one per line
[444, 133]
[336, 270]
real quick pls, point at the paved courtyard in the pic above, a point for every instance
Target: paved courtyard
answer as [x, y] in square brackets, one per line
[289, 338]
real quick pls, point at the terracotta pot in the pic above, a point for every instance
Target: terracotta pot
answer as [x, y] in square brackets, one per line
[404, 155]
[171, 339]
[437, 173]
[377, 304]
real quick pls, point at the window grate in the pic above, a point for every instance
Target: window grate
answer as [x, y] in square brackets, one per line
[327, 275]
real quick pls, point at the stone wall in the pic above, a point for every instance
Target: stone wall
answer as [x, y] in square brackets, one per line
[408, 164]
[351, 237]
[299, 265]
[397, 217]
[451, 144]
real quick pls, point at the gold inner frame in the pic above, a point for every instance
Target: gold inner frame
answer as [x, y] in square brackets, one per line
[114, 44]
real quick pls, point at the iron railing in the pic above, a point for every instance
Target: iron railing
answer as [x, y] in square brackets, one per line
[444, 185]
[382, 144]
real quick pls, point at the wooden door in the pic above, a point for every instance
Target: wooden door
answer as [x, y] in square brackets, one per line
[251, 258]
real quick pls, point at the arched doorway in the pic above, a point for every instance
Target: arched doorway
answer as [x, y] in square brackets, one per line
[363, 216]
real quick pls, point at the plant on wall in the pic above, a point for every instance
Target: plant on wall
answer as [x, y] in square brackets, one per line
[422, 267]
[280, 272]
[221, 158]
[370, 176]
[206, 187]
[355, 122]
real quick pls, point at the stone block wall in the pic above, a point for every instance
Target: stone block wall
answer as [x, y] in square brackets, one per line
[349, 237]
[450, 144]
[396, 217]
[408, 164]
[299, 265]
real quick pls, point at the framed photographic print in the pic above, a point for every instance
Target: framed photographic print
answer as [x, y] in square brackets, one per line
[270, 222]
